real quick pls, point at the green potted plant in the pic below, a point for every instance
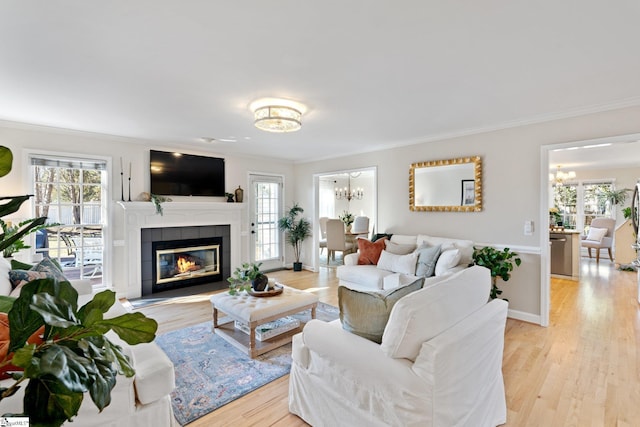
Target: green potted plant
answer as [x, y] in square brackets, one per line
[56, 350]
[297, 230]
[499, 262]
[246, 277]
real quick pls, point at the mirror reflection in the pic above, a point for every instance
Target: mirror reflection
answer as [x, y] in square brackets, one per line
[446, 185]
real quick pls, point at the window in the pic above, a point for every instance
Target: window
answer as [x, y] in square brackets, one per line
[71, 193]
[579, 203]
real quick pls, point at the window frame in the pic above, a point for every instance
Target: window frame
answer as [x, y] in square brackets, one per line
[106, 204]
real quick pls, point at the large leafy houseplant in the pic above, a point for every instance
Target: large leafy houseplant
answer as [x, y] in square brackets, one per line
[57, 351]
[73, 356]
[499, 262]
[297, 230]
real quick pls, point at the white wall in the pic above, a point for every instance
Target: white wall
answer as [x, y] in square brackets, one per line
[511, 189]
[511, 183]
[23, 138]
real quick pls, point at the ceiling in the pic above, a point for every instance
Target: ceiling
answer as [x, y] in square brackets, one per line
[372, 75]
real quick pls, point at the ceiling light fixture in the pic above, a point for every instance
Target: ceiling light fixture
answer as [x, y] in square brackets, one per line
[560, 177]
[348, 193]
[277, 115]
[278, 118]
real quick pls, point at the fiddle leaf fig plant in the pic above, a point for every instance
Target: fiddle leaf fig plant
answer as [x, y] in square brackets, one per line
[70, 354]
[499, 262]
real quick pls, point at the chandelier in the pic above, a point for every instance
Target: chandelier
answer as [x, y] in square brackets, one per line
[560, 177]
[348, 193]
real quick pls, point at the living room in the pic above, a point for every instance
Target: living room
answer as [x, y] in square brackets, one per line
[514, 148]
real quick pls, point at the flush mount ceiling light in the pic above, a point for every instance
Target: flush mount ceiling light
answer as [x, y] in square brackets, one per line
[277, 115]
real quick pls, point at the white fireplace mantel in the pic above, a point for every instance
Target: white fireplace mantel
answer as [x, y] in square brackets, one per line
[139, 215]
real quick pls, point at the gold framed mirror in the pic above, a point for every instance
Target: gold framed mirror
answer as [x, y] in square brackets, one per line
[452, 185]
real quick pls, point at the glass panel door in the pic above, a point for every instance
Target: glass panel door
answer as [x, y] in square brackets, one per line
[265, 209]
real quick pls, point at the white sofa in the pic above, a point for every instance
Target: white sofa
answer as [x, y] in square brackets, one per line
[372, 277]
[142, 400]
[439, 363]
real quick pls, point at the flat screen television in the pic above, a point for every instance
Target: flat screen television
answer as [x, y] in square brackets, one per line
[177, 174]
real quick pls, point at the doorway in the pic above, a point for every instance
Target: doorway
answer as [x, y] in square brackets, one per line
[353, 191]
[614, 158]
[265, 207]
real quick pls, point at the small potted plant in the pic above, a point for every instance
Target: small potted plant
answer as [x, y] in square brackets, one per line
[348, 218]
[500, 262]
[229, 197]
[246, 277]
[297, 230]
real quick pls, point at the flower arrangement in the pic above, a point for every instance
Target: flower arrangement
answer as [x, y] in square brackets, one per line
[346, 217]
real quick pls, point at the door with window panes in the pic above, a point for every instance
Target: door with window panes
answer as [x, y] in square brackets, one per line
[265, 208]
[71, 193]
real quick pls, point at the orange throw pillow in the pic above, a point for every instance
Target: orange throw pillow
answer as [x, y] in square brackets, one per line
[369, 252]
[36, 338]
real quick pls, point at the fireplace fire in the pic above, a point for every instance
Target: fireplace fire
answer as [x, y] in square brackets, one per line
[181, 263]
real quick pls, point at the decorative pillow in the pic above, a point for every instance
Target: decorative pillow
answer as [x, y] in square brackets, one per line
[5, 339]
[427, 257]
[19, 278]
[596, 234]
[366, 313]
[45, 269]
[369, 252]
[404, 264]
[448, 259]
[47, 265]
[397, 248]
[379, 236]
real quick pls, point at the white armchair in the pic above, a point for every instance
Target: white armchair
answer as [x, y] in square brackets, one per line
[591, 241]
[439, 363]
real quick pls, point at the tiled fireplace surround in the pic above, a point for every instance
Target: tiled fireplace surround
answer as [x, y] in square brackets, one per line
[142, 215]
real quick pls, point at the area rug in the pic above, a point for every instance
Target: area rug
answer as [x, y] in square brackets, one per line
[210, 372]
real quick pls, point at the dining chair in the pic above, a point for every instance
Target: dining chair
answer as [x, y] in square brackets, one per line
[360, 225]
[336, 240]
[323, 232]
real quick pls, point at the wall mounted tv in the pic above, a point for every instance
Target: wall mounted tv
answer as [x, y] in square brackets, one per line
[177, 174]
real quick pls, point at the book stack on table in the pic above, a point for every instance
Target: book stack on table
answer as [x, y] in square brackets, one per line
[270, 329]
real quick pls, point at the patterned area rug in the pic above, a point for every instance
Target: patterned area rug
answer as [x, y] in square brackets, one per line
[211, 372]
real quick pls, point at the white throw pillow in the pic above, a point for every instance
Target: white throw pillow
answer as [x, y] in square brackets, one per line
[596, 234]
[404, 264]
[398, 249]
[447, 260]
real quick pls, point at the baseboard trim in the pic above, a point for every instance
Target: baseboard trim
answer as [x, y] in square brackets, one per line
[524, 316]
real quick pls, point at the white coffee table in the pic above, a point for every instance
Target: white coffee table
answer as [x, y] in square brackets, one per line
[255, 311]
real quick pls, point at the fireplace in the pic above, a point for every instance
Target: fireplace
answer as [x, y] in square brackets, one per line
[189, 262]
[180, 257]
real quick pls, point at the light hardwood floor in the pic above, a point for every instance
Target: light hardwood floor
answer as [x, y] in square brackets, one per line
[583, 370]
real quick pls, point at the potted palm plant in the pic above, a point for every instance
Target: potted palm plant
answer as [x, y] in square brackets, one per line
[296, 230]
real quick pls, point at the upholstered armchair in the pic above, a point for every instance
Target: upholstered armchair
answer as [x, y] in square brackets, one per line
[598, 238]
[439, 363]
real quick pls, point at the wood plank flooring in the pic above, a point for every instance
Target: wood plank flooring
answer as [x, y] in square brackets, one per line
[583, 370]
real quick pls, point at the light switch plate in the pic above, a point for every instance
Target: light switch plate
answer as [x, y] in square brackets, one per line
[528, 228]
